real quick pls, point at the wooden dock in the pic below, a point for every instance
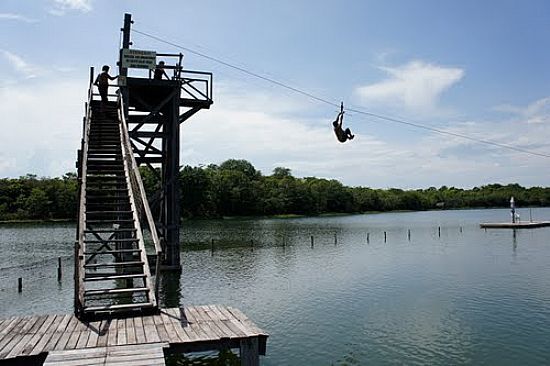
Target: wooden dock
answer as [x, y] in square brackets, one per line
[136, 340]
[514, 225]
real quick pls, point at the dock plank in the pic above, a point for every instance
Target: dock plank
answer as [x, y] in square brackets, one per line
[174, 335]
[44, 332]
[121, 332]
[104, 333]
[195, 323]
[12, 334]
[140, 333]
[131, 355]
[151, 334]
[27, 349]
[161, 329]
[67, 333]
[74, 342]
[130, 331]
[58, 332]
[95, 328]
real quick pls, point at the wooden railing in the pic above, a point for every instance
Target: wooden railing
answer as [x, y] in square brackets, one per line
[81, 223]
[196, 85]
[138, 196]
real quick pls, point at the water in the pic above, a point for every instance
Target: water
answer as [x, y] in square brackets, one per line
[466, 296]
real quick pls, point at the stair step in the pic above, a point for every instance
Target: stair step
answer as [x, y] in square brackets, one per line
[94, 205]
[114, 277]
[114, 264]
[106, 168]
[108, 308]
[131, 240]
[120, 251]
[108, 212]
[102, 179]
[99, 177]
[113, 190]
[115, 291]
[109, 222]
[105, 162]
[109, 231]
[108, 199]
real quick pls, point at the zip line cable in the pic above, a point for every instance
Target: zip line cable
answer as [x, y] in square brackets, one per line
[238, 68]
[322, 100]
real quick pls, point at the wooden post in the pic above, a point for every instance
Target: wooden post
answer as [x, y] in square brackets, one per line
[409, 234]
[368, 240]
[335, 239]
[284, 241]
[312, 241]
[20, 285]
[439, 231]
[384, 236]
[249, 352]
[461, 229]
[59, 271]
[212, 246]
[252, 244]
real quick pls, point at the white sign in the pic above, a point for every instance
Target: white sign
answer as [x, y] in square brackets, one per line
[138, 59]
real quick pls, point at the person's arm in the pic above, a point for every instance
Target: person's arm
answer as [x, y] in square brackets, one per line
[165, 74]
[113, 77]
[340, 119]
[96, 82]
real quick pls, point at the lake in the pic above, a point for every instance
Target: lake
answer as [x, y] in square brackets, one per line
[451, 294]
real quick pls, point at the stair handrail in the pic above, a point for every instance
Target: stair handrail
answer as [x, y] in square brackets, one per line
[137, 186]
[81, 224]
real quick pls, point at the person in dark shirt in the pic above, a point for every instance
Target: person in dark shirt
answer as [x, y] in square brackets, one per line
[341, 135]
[102, 83]
[159, 72]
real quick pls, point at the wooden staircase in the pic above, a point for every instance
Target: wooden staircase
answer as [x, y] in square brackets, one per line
[111, 269]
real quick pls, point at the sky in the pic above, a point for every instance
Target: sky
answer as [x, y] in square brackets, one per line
[473, 68]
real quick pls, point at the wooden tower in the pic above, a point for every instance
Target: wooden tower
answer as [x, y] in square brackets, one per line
[154, 110]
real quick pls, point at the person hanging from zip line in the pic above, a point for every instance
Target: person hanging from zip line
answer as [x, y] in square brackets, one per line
[341, 135]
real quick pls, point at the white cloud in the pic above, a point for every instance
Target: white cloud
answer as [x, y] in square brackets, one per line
[16, 17]
[20, 65]
[41, 127]
[62, 6]
[416, 85]
[537, 112]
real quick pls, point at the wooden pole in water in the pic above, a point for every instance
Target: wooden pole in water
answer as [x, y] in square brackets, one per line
[212, 246]
[59, 270]
[409, 234]
[384, 236]
[461, 229]
[335, 239]
[20, 285]
[439, 231]
[312, 241]
[368, 239]
[252, 244]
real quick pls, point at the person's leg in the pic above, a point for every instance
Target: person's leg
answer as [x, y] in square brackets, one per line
[348, 134]
[103, 94]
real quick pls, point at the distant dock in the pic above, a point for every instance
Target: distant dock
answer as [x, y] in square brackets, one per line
[514, 225]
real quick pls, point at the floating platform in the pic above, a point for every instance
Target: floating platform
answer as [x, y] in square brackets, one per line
[514, 225]
[137, 340]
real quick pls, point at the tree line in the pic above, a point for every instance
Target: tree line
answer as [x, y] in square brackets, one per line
[236, 188]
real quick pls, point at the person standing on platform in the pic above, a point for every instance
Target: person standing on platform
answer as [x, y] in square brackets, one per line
[159, 72]
[102, 83]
